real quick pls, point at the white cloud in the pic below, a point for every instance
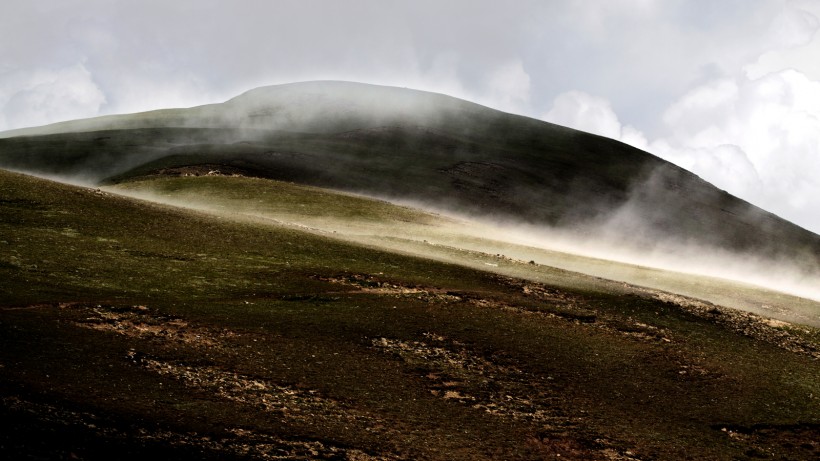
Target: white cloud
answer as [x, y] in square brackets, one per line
[794, 26]
[802, 57]
[584, 112]
[724, 165]
[593, 114]
[47, 96]
[774, 119]
[714, 100]
[440, 76]
[634, 137]
[138, 92]
[757, 139]
[509, 88]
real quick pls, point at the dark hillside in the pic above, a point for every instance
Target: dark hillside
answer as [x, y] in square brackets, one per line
[423, 147]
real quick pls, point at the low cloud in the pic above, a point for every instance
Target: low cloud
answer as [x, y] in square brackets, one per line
[509, 88]
[585, 112]
[759, 139]
[756, 138]
[47, 96]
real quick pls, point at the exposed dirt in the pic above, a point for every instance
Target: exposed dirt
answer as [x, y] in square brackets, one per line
[209, 381]
[547, 301]
[202, 170]
[793, 338]
[450, 370]
[238, 442]
[139, 322]
[768, 441]
[369, 284]
[555, 303]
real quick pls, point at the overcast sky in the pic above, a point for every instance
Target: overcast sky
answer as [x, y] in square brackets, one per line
[729, 89]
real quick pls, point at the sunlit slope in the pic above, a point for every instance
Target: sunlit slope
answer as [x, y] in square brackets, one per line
[468, 242]
[132, 330]
[430, 148]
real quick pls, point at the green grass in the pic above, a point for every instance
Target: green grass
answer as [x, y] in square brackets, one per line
[272, 198]
[353, 350]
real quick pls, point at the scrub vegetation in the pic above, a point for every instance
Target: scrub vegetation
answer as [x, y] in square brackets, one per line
[131, 329]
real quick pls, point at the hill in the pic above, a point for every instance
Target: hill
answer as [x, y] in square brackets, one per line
[131, 329]
[424, 148]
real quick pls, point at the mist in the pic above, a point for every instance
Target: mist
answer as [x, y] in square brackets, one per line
[685, 257]
[638, 245]
[768, 287]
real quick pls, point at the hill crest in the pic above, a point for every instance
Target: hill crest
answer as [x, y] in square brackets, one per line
[425, 148]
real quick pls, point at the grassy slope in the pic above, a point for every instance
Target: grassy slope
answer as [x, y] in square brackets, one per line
[466, 242]
[140, 330]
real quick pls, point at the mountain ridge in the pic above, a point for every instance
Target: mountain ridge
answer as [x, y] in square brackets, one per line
[204, 116]
[430, 148]
[188, 306]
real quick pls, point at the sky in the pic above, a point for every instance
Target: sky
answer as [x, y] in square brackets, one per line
[727, 89]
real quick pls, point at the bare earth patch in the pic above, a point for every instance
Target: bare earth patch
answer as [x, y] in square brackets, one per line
[456, 373]
[793, 338]
[238, 442]
[138, 322]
